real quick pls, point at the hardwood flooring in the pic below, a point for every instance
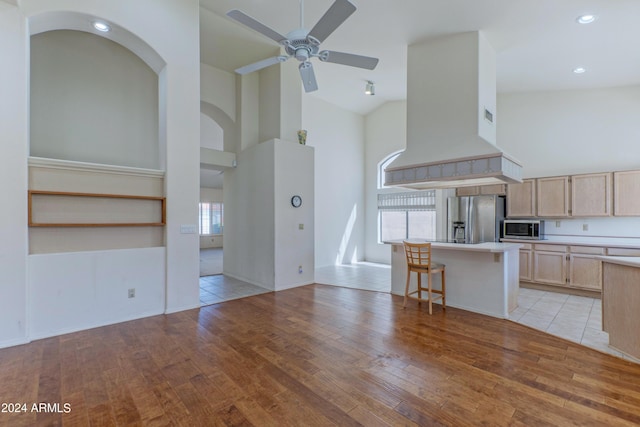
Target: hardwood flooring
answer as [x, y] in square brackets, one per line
[317, 356]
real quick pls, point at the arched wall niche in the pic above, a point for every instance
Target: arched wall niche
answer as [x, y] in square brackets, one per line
[228, 126]
[66, 20]
[95, 97]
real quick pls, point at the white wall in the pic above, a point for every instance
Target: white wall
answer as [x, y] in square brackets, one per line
[571, 132]
[218, 87]
[338, 138]
[249, 250]
[385, 134]
[13, 176]
[211, 133]
[76, 291]
[179, 103]
[266, 246]
[294, 236]
[92, 100]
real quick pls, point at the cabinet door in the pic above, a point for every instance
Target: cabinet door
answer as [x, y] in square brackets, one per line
[467, 191]
[553, 196]
[499, 189]
[585, 272]
[591, 195]
[521, 199]
[626, 193]
[526, 259]
[550, 268]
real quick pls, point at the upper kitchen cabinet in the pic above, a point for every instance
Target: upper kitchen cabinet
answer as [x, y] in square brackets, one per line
[482, 190]
[521, 199]
[553, 196]
[626, 193]
[591, 195]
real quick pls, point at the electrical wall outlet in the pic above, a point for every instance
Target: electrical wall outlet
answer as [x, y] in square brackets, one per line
[585, 227]
[299, 269]
[557, 224]
[132, 293]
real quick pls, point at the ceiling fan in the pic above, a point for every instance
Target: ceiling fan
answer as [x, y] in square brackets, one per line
[304, 44]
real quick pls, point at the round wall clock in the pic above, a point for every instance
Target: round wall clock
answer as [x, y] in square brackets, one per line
[296, 201]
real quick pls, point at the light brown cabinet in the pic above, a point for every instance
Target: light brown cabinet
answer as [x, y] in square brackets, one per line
[576, 267]
[550, 264]
[553, 196]
[526, 263]
[482, 190]
[626, 190]
[591, 195]
[587, 195]
[585, 272]
[521, 199]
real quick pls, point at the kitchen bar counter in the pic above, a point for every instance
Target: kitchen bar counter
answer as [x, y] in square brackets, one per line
[610, 242]
[482, 277]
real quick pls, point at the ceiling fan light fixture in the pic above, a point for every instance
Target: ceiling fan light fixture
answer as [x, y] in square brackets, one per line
[586, 19]
[370, 88]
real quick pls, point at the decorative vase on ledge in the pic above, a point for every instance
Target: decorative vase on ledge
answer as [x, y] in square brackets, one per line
[302, 137]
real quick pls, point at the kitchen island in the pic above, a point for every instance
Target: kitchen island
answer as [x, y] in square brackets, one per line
[481, 277]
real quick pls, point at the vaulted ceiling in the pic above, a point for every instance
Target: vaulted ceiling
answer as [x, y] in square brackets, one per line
[538, 42]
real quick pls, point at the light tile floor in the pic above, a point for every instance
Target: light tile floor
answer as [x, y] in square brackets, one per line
[572, 317]
[362, 275]
[220, 288]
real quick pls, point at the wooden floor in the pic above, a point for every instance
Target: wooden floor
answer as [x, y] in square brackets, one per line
[317, 355]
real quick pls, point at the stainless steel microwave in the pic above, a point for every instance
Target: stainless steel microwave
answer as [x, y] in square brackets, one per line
[523, 229]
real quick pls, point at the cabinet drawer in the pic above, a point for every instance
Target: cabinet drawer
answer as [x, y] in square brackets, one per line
[526, 246]
[591, 250]
[550, 248]
[623, 252]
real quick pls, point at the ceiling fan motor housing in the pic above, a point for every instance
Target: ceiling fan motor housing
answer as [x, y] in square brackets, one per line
[299, 46]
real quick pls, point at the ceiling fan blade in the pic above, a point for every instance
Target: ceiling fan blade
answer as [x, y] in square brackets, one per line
[261, 64]
[245, 19]
[333, 17]
[308, 76]
[348, 59]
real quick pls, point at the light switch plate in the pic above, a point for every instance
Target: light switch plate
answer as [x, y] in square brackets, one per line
[188, 229]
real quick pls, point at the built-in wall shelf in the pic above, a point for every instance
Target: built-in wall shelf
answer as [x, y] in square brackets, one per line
[71, 209]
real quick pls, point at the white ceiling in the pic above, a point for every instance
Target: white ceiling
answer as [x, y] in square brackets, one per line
[538, 43]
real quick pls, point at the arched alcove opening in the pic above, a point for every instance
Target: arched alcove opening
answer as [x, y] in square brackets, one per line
[92, 100]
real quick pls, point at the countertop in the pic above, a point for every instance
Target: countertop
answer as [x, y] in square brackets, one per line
[610, 242]
[630, 261]
[473, 247]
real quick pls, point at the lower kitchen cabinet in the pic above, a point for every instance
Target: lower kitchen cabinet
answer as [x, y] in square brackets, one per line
[575, 267]
[526, 263]
[585, 272]
[550, 264]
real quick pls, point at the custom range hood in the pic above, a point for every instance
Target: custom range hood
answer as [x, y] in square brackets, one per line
[451, 117]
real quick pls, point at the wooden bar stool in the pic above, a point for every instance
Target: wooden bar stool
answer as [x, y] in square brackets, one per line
[419, 261]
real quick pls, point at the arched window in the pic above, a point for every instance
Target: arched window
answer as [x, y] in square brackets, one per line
[383, 165]
[404, 214]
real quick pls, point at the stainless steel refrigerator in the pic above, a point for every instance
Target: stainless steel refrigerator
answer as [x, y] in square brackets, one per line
[475, 219]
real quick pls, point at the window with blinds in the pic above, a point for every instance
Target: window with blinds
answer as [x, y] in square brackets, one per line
[210, 218]
[410, 215]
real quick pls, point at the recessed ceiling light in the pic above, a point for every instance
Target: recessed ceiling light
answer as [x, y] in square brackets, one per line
[101, 26]
[586, 19]
[579, 70]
